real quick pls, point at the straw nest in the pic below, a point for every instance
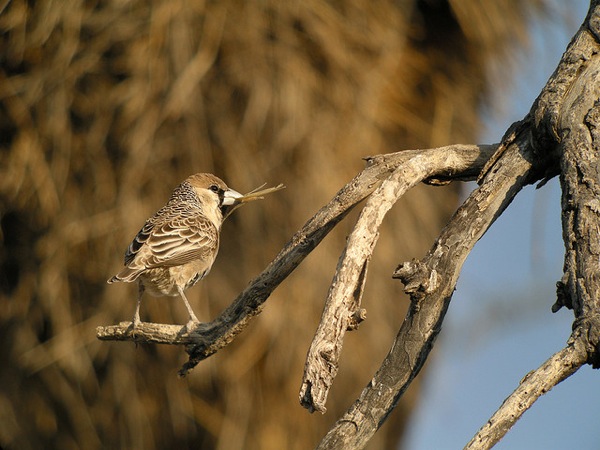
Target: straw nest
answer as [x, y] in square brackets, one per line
[106, 106]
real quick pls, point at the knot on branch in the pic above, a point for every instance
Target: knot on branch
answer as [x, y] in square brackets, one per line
[356, 318]
[586, 329]
[418, 279]
[562, 295]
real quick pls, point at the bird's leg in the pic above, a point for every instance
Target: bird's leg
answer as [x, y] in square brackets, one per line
[193, 319]
[136, 317]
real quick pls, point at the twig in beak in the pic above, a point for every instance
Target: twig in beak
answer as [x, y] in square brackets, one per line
[259, 193]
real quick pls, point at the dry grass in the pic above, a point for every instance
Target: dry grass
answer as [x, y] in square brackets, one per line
[106, 106]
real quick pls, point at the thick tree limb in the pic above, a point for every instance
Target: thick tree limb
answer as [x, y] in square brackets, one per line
[220, 332]
[567, 111]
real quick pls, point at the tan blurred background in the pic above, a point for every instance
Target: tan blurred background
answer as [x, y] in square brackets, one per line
[106, 106]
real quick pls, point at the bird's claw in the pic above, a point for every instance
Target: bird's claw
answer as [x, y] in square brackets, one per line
[135, 323]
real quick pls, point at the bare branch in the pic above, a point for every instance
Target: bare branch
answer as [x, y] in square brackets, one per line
[149, 333]
[561, 134]
[431, 283]
[535, 384]
[342, 301]
[566, 128]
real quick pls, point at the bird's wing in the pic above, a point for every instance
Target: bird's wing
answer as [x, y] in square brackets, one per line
[173, 242]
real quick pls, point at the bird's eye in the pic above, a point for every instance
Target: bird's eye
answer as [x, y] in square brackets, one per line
[214, 188]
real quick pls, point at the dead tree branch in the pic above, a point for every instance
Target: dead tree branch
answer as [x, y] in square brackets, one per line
[564, 138]
[343, 301]
[430, 283]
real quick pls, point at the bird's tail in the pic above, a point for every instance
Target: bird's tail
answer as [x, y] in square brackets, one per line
[127, 275]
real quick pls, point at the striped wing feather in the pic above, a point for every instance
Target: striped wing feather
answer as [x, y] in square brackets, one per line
[171, 243]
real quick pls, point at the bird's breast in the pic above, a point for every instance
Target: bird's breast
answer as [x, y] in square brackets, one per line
[159, 282]
[163, 281]
[189, 274]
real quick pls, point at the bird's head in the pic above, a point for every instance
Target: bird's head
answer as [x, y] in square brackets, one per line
[213, 192]
[216, 197]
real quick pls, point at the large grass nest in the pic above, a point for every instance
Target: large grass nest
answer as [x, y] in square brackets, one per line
[106, 106]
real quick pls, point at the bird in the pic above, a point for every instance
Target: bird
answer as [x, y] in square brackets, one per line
[178, 245]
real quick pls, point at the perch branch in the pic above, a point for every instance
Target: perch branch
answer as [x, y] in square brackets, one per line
[149, 333]
[343, 300]
[220, 332]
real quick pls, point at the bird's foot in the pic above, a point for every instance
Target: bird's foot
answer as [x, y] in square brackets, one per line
[135, 324]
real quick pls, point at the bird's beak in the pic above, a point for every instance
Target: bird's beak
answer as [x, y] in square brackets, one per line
[232, 200]
[231, 197]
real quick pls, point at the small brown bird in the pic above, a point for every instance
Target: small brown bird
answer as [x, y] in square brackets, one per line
[177, 246]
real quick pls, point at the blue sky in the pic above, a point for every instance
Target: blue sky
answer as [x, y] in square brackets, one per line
[499, 325]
